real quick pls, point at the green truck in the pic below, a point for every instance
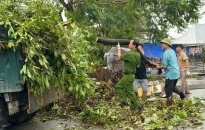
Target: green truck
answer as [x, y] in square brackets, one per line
[17, 103]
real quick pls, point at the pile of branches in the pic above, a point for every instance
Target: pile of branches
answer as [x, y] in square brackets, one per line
[103, 74]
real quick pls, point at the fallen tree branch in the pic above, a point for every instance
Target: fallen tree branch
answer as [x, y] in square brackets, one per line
[123, 42]
[112, 41]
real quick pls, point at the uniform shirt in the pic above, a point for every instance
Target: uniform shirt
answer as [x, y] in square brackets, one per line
[131, 60]
[182, 57]
[141, 72]
[169, 60]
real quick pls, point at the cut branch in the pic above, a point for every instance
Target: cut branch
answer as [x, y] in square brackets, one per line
[123, 42]
[112, 41]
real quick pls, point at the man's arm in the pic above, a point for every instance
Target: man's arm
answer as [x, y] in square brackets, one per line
[152, 64]
[187, 63]
[119, 53]
[138, 61]
[161, 67]
[146, 60]
[164, 63]
[124, 56]
[185, 58]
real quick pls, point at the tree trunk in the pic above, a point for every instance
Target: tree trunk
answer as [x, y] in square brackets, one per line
[123, 42]
[112, 41]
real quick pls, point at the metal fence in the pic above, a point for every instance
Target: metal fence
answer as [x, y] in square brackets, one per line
[197, 65]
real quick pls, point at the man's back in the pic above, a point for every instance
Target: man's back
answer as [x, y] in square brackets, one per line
[131, 59]
[170, 61]
[141, 72]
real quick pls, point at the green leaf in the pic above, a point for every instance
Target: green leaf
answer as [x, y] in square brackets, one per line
[23, 70]
[10, 44]
[170, 127]
[28, 73]
[47, 83]
[41, 62]
[63, 56]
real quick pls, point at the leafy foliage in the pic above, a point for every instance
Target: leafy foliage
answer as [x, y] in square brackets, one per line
[55, 53]
[144, 19]
[102, 109]
[156, 115]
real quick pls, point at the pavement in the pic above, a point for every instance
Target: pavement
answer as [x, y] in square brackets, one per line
[60, 124]
[197, 83]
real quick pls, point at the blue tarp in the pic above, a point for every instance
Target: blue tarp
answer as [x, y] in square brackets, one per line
[154, 50]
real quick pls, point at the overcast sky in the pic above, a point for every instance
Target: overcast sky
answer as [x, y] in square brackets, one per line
[173, 32]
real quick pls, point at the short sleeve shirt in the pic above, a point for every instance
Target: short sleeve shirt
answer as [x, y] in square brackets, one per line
[131, 60]
[141, 72]
[182, 57]
[169, 60]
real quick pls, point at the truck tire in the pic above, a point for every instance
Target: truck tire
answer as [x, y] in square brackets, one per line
[20, 117]
[3, 112]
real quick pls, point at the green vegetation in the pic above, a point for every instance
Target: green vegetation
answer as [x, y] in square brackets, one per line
[102, 110]
[145, 19]
[105, 111]
[64, 54]
[54, 53]
[60, 54]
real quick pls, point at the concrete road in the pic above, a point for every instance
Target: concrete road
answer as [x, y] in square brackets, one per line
[61, 124]
[36, 124]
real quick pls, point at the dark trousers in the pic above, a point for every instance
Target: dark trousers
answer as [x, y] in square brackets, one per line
[170, 87]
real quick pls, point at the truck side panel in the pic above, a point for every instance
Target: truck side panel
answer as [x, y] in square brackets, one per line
[43, 99]
[10, 78]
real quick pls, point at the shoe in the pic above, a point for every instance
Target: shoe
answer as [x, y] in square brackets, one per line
[182, 96]
[163, 95]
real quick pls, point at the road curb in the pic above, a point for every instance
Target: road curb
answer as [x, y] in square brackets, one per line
[195, 86]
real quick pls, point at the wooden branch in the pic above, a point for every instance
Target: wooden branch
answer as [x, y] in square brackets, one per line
[68, 6]
[115, 2]
[112, 41]
[123, 42]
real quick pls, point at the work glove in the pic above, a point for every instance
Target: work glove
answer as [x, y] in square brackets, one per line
[188, 73]
[118, 45]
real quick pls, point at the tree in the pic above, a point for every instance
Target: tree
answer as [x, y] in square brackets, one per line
[144, 19]
[55, 54]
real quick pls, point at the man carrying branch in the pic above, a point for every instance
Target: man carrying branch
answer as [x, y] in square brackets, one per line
[170, 65]
[141, 76]
[125, 85]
